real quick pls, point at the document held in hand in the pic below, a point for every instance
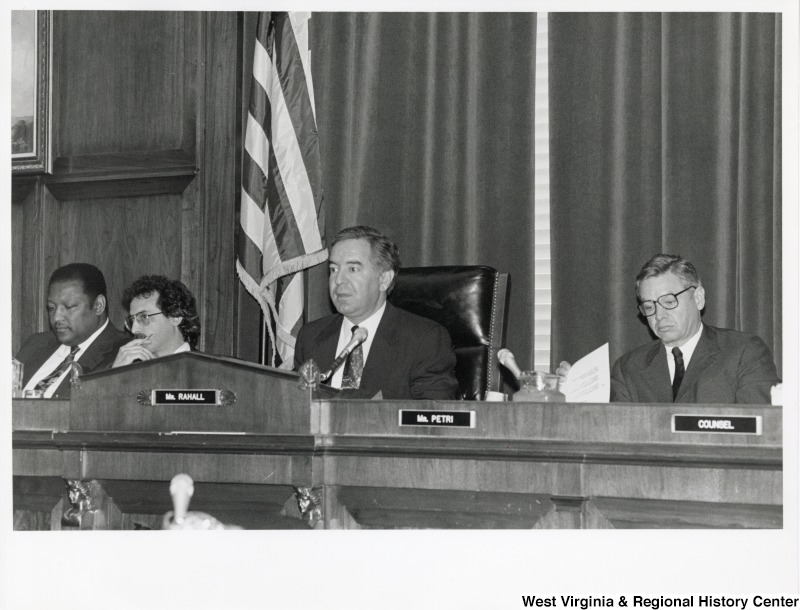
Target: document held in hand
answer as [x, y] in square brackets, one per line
[589, 379]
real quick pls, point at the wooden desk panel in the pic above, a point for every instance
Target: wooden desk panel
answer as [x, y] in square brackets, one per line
[521, 466]
[267, 400]
[607, 423]
[572, 466]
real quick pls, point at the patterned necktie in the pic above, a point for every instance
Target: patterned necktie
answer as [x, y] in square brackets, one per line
[45, 383]
[353, 368]
[679, 371]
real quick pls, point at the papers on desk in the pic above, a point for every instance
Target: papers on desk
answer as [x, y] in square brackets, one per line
[776, 394]
[589, 379]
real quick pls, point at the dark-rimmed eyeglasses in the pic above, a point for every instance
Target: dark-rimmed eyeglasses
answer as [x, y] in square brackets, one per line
[142, 318]
[667, 301]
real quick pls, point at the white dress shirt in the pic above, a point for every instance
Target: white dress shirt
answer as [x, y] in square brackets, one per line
[56, 359]
[346, 333]
[183, 347]
[687, 349]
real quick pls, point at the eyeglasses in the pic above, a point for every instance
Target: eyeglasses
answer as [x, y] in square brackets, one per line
[667, 301]
[142, 318]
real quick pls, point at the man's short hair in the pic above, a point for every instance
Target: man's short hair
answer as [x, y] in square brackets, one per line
[383, 251]
[90, 277]
[174, 300]
[665, 263]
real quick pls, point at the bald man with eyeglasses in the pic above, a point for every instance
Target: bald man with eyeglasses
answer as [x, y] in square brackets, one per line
[162, 316]
[690, 362]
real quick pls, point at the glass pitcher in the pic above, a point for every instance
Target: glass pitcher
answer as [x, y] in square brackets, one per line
[536, 386]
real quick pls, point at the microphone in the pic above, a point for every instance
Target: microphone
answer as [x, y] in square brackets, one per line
[507, 359]
[181, 488]
[359, 336]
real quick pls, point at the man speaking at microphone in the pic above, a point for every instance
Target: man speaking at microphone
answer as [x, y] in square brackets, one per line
[403, 355]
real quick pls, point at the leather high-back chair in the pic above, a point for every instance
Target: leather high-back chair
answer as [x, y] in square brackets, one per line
[471, 302]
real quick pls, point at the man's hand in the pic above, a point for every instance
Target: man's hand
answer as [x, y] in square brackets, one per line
[563, 369]
[133, 351]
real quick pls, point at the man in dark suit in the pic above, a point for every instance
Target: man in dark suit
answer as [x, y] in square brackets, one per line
[162, 315]
[80, 332]
[691, 361]
[404, 355]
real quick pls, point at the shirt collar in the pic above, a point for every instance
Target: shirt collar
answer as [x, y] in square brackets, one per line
[370, 324]
[184, 347]
[82, 347]
[687, 349]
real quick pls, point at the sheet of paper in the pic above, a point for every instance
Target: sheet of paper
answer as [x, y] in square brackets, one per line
[589, 379]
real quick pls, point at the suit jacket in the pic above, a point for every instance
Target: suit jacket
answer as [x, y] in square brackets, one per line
[98, 356]
[727, 366]
[410, 356]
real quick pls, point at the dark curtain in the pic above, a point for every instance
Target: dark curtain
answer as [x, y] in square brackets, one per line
[426, 126]
[664, 137]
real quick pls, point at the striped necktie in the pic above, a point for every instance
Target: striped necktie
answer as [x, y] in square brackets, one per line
[45, 383]
[353, 367]
[679, 371]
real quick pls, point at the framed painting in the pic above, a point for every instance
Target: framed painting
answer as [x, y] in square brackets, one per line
[31, 54]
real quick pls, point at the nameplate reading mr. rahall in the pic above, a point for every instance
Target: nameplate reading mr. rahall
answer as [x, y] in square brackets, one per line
[185, 397]
[446, 419]
[722, 424]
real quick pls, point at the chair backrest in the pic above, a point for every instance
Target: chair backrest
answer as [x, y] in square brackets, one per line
[471, 302]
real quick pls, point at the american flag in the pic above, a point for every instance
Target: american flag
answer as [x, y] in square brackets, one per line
[282, 227]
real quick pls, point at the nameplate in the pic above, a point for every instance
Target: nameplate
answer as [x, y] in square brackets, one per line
[717, 424]
[438, 419]
[185, 397]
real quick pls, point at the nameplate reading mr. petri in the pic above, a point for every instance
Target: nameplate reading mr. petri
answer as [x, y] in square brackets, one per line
[440, 419]
[721, 424]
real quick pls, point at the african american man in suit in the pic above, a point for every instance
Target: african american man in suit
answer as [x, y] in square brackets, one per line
[80, 332]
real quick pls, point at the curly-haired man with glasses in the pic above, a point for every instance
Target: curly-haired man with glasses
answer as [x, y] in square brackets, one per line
[691, 361]
[162, 317]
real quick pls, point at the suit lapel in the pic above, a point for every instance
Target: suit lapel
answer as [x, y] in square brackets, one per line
[39, 357]
[655, 377]
[705, 355]
[327, 340]
[97, 350]
[381, 353]
[93, 356]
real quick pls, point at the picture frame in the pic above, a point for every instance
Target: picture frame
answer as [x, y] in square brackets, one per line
[31, 94]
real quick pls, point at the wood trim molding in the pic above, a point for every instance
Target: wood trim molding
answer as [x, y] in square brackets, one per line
[644, 454]
[122, 174]
[684, 456]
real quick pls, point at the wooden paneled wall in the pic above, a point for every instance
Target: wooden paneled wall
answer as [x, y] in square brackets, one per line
[145, 124]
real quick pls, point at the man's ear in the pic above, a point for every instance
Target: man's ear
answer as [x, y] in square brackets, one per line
[176, 321]
[100, 305]
[386, 280]
[700, 298]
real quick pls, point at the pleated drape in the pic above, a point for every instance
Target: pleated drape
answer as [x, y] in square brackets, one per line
[665, 137]
[426, 125]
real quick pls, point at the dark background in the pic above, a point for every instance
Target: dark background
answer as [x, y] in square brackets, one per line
[665, 136]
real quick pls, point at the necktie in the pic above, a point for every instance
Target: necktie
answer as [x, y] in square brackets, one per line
[353, 367]
[45, 383]
[679, 371]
